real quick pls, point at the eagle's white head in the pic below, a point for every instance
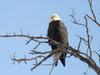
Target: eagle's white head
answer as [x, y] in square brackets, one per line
[54, 17]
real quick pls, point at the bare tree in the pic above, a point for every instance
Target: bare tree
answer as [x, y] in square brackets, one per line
[40, 57]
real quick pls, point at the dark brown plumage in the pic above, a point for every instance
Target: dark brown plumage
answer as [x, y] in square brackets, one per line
[58, 32]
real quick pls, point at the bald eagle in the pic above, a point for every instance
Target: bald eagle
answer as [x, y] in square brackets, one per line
[58, 32]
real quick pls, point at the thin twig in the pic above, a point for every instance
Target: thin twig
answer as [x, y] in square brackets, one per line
[94, 19]
[51, 69]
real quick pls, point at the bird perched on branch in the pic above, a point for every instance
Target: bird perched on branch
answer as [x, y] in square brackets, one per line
[58, 32]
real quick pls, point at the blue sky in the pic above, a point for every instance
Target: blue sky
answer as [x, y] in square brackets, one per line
[32, 16]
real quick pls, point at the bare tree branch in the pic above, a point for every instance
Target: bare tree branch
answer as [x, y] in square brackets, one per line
[94, 19]
[91, 63]
[76, 53]
[51, 70]
[39, 57]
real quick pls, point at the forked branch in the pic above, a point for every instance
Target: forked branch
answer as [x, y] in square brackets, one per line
[76, 53]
